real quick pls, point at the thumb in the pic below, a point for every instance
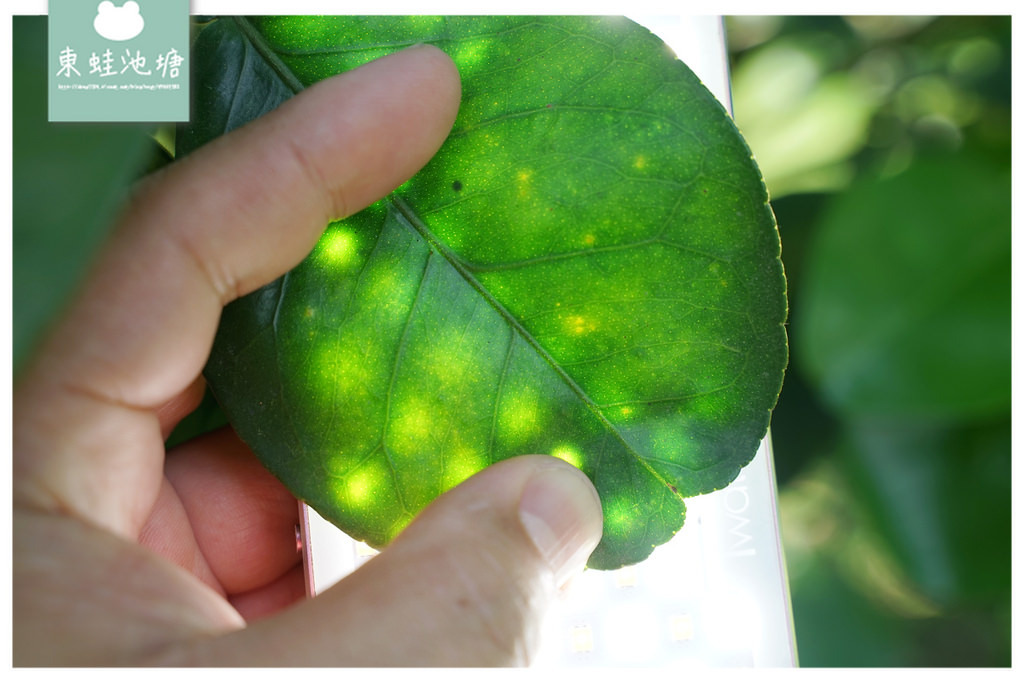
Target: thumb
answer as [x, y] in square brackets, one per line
[466, 584]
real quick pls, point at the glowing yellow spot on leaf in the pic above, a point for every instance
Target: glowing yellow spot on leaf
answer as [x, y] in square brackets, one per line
[357, 488]
[570, 455]
[344, 370]
[619, 515]
[577, 324]
[469, 54]
[640, 162]
[364, 485]
[525, 185]
[338, 246]
[463, 465]
[411, 425]
[381, 283]
[518, 417]
[589, 240]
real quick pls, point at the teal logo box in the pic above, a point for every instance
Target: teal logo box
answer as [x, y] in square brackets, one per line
[118, 60]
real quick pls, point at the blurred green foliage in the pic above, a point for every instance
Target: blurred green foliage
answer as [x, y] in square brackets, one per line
[885, 143]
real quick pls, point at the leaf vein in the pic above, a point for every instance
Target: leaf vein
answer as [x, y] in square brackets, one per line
[516, 327]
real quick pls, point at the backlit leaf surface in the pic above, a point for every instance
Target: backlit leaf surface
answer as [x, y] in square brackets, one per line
[588, 268]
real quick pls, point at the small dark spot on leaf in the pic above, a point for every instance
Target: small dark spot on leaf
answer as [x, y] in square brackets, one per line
[674, 489]
[548, 106]
[457, 185]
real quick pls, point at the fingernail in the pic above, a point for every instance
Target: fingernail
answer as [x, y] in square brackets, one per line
[562, 515]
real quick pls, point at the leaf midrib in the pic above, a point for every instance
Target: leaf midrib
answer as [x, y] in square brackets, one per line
[441, 248]
[265, 51]
[263, 48]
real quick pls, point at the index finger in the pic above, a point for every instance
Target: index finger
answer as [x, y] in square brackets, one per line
[227, 219]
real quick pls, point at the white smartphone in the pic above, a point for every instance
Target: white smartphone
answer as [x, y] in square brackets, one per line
[715, 595]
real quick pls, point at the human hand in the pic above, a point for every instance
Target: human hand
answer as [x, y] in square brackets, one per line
[125, 554]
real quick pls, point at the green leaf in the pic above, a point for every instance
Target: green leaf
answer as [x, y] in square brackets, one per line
[940, 497]
[587, 268]
[907, 293]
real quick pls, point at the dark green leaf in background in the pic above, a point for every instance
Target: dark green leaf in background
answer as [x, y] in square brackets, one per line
[907, 302]
[588, 268]
[68, 180]
[940, 496]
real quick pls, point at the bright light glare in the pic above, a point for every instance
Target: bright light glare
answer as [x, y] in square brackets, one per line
[631, 632]
[734, 624]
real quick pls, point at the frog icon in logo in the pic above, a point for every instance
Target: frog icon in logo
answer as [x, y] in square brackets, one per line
[118, 23]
